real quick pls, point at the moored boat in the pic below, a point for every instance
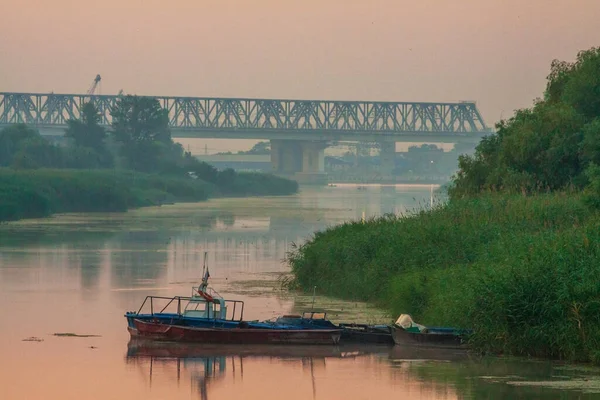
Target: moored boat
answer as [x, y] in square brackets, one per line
[241, 334]
[351, 332]
[406, 332]
[362, 333]
[207, 317]
[204, 308]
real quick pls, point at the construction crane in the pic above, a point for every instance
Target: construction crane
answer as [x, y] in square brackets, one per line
[92, 88]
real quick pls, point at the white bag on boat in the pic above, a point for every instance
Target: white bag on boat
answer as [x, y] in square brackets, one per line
[405, 321]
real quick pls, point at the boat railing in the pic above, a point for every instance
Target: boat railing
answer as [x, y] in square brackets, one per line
[236, 306]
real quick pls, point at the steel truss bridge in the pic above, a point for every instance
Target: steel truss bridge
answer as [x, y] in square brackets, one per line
[262, 118]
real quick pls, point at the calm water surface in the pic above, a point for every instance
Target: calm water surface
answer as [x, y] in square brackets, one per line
[79, 273]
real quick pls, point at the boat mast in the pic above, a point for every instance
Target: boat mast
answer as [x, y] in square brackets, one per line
[205, 274]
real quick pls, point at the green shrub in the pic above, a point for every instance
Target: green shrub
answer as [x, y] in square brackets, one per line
[41, 192]
[521, 271]
[254, 184]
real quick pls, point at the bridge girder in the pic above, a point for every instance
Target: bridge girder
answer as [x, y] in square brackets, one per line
[213, 117]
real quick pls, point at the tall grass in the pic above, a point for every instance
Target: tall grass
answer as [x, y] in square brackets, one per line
[521, 271]
[38, 193]
[42, 192]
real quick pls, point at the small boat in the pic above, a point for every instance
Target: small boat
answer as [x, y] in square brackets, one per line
[406, 332]
[203, 308]
[241, 335]
[207, 317]
[308, 320]
[351, 332]
[362, 333]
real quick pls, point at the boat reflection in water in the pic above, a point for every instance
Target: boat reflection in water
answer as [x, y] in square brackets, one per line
[400, 354]
[175, 359]
[206, 364]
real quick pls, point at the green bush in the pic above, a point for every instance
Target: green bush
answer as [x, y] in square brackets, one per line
[41, 192]
[521, 271]
[257, 184]
[547, 147]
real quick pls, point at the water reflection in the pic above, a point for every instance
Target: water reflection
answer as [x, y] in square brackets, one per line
[206, 365]
[201, 370]
[90, 268]
[137, 258]
[89, 260]
[324, 372]
[469, 376]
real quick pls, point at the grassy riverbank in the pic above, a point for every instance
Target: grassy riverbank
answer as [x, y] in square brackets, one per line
[515, 254]
[42, 192]
[521, 271]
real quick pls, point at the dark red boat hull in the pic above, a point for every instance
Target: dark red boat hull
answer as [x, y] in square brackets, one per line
[177, 333]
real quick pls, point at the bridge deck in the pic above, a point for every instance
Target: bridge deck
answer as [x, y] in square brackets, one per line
[212, 117]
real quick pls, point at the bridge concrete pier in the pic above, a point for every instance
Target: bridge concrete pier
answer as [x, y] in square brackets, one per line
[313, 163]
[286, 156]
[302, 160]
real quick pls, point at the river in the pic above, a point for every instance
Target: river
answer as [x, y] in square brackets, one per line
[77, 274]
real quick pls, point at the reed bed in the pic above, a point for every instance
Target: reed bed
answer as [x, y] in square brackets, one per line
[522, 271]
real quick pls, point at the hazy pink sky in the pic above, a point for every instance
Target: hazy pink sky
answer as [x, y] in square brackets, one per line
[496, 52]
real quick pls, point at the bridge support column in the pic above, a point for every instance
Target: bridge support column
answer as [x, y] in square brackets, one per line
[387, 159]
[275, 156]
[300, 159]
[313, 163]
[313, 157]
[286, 156]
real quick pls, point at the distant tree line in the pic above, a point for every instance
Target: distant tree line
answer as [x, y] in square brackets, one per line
[135, 163]
[260, 148]
[423, 160]
[429, 159]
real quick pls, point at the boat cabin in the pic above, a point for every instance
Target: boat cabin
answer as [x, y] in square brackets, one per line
[205, 304]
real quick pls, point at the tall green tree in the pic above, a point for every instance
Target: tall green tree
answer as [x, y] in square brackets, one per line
[11, 139]
[141, 127]
[37, 152]
[89, 139]
[547, 147]
[578, 83]
[86, 131]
